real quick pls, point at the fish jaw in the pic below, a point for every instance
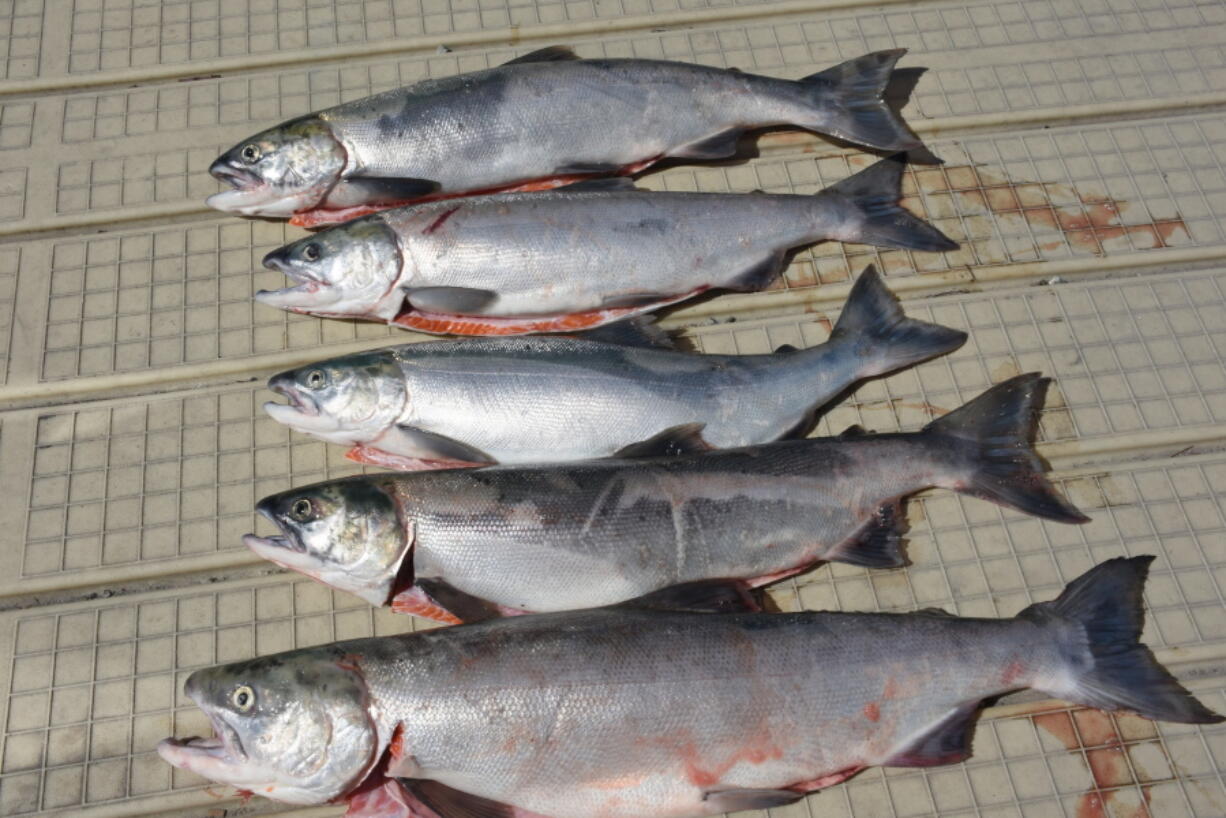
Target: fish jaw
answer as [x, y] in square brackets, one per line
[281, 551]
[221, 758]
[303, 413]
[258, 201]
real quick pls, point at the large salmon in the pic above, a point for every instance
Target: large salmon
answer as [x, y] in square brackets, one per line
[613, 391]
[640, 712]
[577, 257]
[538, 121]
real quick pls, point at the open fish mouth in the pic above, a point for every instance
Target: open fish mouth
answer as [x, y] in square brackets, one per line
[288, 297]
[237, 178]
[222, 748]
[284, 552]
[300, 405]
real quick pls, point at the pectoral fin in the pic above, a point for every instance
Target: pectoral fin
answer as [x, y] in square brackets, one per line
[455, 300]
[709, 596]
[437, 599]
[737, 800]
[407, 448]
[374, 456]
[449, 803]
[378, 190]
[575, 168]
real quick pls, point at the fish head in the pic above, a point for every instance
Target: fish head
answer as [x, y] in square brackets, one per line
[347, 400]
[294, 727]
[347, 271]
[347, 534]
[280, 171]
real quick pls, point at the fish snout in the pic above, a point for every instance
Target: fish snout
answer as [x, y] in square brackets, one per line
[193, 688]
[225, 170]
[279, 260]
[268, 508]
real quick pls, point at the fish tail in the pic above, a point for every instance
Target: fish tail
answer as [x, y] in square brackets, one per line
[873, 215]
[885, 338]
[993, 433]
[849, 97]
[1098, 619]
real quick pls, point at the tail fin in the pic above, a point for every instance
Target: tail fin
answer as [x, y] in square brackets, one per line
[1004, 467]
[851, 98]
[872, 197]
[1109, 668]
[888, 340]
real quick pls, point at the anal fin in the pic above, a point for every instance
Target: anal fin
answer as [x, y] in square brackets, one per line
[878, 543]
[946, 742]
[719, 146]
[673, 441]
[759, 275]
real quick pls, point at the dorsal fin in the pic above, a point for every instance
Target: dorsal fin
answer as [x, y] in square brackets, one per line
[707, 596]
[553, 53]
[673, 441]
[784, 349]
[853, 431]
[609, 184]
[639, 331]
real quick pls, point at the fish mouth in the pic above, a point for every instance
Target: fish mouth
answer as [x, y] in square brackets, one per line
[236, 177]
[304, 282]
[284, 552]
[300, 404]
[205, 755]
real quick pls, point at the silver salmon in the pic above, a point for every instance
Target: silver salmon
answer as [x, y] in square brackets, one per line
[538, 121]
[643, 712]
[577, 257]
[618, 390]
[468, 544]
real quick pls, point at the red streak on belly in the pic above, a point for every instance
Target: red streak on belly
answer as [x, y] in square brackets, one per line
[453, 324]
[320, 217]
[1012, 673]
[872, 712]
[706, 773]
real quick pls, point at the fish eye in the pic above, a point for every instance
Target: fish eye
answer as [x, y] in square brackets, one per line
[301, 510]
[243, 698]
[311, 252]
[250, 153]
[316, 379]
